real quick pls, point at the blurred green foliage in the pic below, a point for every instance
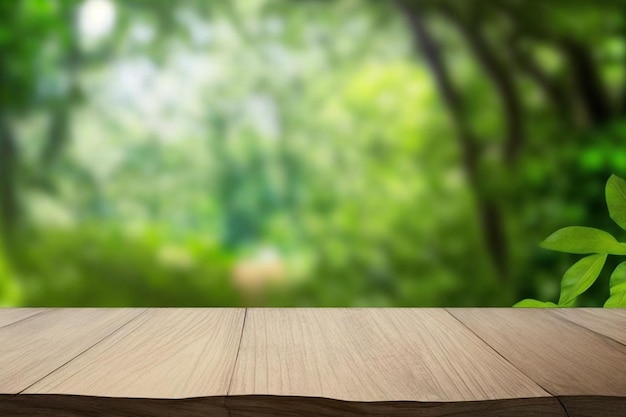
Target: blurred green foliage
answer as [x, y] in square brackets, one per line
[10, 294]
[271, 152]
[101, 266]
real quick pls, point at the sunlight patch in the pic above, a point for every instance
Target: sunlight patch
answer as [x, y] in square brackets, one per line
[96, 19]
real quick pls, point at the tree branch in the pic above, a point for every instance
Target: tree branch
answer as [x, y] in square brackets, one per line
[451, 98]
[588, 81]
[501, 79]
[554, 92]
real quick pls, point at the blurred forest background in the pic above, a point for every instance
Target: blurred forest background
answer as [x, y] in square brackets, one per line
[318, 153]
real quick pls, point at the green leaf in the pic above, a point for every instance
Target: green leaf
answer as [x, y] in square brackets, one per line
[583, 240]
[618, 276]
[616, 200]
[617, 297]
[534, 304]
[579, 277]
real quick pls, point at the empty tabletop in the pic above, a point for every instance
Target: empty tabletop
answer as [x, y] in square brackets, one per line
[325, 362]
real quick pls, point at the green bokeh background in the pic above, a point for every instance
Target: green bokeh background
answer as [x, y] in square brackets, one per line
[303, 153]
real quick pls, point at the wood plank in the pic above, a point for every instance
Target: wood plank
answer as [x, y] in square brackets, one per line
[588, 406]
[609, 322]
[32, 348]
[165, 353]
[562, 357]
[290, 406]
[371, 355]
[33, 405]
[50, 405]
[9, 316]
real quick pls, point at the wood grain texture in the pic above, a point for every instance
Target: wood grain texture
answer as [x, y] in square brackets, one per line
[165, 353]
[562, 357]
[9, 316]
[32, 348]
[609, 322]
[312, 362]
[371, 355]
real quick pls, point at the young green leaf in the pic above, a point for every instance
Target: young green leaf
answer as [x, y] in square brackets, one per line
[617, 297]
[618, 276]
[534, 304]
[583, 240]
[616, 200]
[579, 277]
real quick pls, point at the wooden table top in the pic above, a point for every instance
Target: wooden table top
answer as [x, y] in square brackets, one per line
[328, 362]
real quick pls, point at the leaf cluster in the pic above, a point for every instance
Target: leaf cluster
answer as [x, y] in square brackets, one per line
[597, 245]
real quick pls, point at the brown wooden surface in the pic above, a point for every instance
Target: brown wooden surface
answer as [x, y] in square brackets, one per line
[562, 357]
[15, 315]
[165, 353]
[323, 362]
[611, 324]
[372, 355]
[33, 348]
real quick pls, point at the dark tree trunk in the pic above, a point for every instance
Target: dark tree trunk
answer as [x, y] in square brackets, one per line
[453, 101]
[589, 81]
[60, 117]
[58, 134]
[9, 206]
[490, 218]
[501, 79]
